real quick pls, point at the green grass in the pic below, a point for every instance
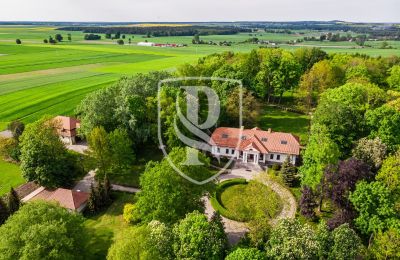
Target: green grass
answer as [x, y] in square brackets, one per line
[285, 121]
[243, 201]
[10, 176]
[103, 227]
[38, 79]
[131, 178]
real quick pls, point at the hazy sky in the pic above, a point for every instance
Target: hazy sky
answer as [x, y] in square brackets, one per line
[199, 10]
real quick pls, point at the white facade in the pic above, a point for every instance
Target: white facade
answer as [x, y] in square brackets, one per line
[251, 155]
[147, 44]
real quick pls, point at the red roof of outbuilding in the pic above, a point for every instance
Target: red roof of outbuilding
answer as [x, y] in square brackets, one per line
[262, 141]
[68, 123]
[69, 199]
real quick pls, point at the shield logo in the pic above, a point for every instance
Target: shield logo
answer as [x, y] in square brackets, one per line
[194, 124]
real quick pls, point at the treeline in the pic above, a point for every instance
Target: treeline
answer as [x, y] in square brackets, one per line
[158, 31]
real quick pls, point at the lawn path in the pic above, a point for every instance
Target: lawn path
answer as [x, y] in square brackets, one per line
[289, 202]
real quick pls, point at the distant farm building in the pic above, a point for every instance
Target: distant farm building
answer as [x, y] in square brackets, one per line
[162, 45]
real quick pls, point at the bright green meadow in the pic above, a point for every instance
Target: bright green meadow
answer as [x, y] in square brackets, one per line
[38, 78]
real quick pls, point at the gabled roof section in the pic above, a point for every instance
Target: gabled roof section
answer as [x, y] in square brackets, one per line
[69, 199]
[263, 141]
[68, 123]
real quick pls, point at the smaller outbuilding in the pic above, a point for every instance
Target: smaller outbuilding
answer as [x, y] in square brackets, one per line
[74, 201]
[67, 128]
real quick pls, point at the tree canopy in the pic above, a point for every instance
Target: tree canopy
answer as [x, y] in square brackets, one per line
[166, 196]
[44, 158]
[42, 230]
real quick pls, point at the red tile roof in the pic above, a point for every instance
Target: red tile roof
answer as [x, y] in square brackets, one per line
[68, 125]
[262, 141]
[69, 199]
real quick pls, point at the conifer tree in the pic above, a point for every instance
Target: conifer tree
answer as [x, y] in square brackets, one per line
[288, 172]
[106, 190]
[13, 202]
[4, 214]
[92, 201]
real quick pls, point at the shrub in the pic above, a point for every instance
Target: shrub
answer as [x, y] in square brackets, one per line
[276, 167]
[131, 213]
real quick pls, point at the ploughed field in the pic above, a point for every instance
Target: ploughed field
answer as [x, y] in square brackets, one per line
[38, 78]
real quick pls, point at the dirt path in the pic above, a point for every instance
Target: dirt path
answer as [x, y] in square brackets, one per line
[236, 230]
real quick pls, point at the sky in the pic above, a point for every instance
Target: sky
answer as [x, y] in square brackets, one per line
[199, 10]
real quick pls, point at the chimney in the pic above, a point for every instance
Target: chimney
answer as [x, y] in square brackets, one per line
[269, 130]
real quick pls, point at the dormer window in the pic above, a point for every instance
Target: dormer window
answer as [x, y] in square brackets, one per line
[243, 137]
[224, 136]
[283, 142]
[264, 139]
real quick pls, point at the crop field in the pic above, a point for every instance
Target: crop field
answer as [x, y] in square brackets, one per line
[38, 78]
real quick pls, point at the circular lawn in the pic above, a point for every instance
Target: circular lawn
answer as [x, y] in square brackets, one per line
[243, 201]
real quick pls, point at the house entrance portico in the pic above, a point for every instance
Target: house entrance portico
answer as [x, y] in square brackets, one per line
[251, 156]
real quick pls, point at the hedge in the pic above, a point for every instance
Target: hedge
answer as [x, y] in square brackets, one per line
[216, 198]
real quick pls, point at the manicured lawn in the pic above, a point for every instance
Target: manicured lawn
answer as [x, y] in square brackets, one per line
[10, 176]
[131, 178]
[284, 121]
[248, 201]
[103, 227]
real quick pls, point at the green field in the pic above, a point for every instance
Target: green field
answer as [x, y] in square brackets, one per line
[10, 176]
[38, 79]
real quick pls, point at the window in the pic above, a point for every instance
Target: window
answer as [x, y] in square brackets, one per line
[232, 151]
[227, 151]
[218, 150]
[224, 136]
[264, 139]
[271, 156]
[283, 142]
[243, 137]
[278, 157]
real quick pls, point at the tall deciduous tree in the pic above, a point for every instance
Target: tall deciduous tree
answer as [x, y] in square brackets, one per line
[17, 128]
[292, 240]
[166, 196]
[370, 151]
[322, 76]
[375, 206]
[250, 108]
[342, 180]
[394, 78]
[389, 174]
[197, 238]
[42, 230]
[100, 149]
[320, 152]
[384, 122]
[44, 158]
[386, 244]
[246, 253]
